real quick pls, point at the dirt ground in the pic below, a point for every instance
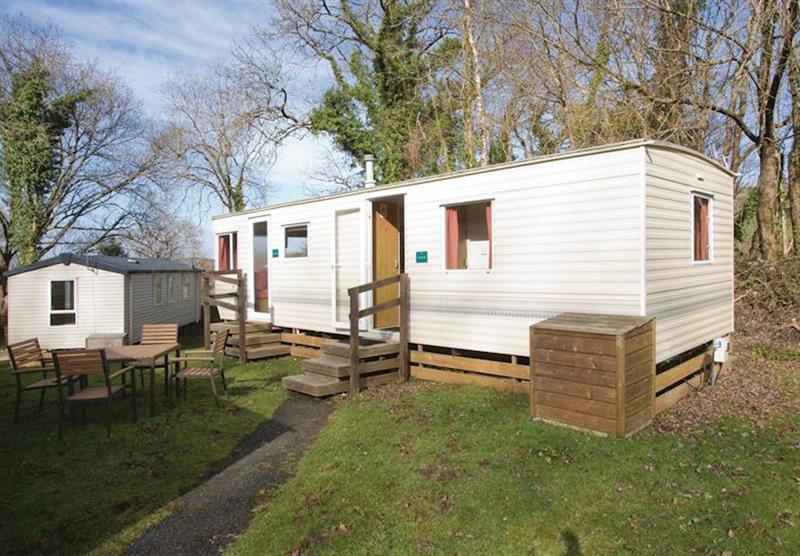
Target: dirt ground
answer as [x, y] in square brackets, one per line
[763, 381]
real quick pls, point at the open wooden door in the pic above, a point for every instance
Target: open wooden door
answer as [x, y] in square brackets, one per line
[387, 256]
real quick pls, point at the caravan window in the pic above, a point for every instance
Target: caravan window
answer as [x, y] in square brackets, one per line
[702, 239]
[468, 236]
[227, 248]
[157, 289]
[62, 302]
[296, 244]
[185, 286]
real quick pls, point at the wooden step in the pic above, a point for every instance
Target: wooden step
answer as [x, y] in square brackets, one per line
[260, 352]
[251, 327]
[269, 350]
[342, 349]
[319, 386]
[257, 339]
[328, 365]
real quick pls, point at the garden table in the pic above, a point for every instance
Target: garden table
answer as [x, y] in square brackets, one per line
[146, 355]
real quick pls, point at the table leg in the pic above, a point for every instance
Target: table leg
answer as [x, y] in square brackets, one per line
[152, 387]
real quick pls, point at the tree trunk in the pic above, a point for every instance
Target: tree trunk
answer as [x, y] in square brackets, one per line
[483, 139]
[767, 241]
[793, 163]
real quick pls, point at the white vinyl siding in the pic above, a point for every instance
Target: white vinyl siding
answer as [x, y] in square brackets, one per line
[568, 234]
[546, 259]
[99, 304]
[692, 302]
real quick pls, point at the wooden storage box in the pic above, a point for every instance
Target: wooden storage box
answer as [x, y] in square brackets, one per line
[594, 372]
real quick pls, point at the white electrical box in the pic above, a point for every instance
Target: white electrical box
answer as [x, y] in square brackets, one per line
[721, 346]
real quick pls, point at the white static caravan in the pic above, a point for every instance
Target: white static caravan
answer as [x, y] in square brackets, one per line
[65, 299]
[635, 228]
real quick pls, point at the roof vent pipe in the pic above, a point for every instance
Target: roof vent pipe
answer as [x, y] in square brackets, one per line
[369, 180]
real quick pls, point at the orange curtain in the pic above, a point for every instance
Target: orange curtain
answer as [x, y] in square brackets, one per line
[452, 237]
[260, 283]
[223, 252]
[489, 230]
[701, 230]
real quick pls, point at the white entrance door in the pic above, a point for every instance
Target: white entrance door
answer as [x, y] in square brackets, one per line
[346, 262]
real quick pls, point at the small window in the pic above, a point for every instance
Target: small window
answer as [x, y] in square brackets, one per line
[186, 286]
[62, 303]
[469, 236]
[170, 288]
[296, 241]
[157, 289]
[701, 228]
[227, 248]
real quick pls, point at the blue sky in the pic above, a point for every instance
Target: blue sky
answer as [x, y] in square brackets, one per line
[146, 41]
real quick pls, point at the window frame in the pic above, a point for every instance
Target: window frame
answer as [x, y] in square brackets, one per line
[232, 239]
[286, 228]
[51, 311]
[253, 222]
[443, 219]
[710, 198]
[186, 286]
[160, 299]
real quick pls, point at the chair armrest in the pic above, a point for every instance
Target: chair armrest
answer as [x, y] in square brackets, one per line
[122, 371]
[26, 370]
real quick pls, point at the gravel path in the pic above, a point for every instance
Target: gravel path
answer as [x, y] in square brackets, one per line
[210, 516]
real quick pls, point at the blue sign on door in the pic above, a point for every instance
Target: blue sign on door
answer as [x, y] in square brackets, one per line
[422, 256]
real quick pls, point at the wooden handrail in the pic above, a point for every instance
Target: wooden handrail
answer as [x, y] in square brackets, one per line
[239, 307]
[375, 285]
[378, 308]
[356, 313]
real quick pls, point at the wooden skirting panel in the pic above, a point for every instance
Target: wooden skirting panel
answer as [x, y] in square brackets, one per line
[458, 369]
[677, 382]
[460, 377]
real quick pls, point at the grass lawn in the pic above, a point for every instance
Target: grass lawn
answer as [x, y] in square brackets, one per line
[89, 493]
[464, 470]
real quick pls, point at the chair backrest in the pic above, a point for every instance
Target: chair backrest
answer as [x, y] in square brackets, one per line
[26, 353]
[159, 334]
[78, 362]
[221, 341]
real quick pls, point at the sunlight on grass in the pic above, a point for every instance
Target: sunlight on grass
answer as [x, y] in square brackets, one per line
[464, 470]
[89, 492]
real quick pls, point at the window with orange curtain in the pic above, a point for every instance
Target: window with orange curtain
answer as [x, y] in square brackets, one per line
[701, 228]
[227, 252]
[468, 236]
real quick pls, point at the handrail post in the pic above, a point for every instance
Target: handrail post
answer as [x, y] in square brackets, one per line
[205, 293]
[405, 312]
[241, 301]
[354, 358]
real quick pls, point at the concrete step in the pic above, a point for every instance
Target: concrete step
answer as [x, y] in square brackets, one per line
[314, 384]
[319, 386]
[328, 365]
[342, 349]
